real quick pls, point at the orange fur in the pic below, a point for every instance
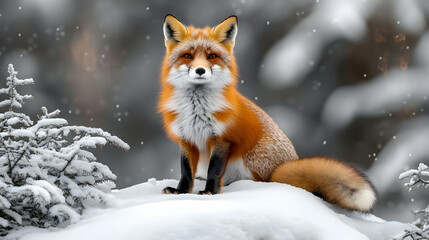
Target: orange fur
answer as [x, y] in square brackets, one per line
[250, 135]
[243, 118]
[333, 180]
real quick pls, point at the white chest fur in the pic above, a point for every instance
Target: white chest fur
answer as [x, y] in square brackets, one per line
[195, 106]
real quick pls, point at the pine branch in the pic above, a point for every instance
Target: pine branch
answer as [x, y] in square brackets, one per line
[68, 162]
[50, 174]
[17, 160]
[421, 235]
[417, 180]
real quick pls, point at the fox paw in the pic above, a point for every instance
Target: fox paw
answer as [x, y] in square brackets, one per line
[205, 192]
[171, 190]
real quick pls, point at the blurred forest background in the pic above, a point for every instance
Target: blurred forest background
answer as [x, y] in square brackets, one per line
[346, 79]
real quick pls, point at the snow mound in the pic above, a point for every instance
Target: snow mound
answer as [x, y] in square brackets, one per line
[244, 210]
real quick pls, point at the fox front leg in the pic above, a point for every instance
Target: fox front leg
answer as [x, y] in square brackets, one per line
[217, 165]
[187, 178]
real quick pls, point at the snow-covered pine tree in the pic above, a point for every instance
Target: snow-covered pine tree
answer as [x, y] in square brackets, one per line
[47, 175]
[419, 178]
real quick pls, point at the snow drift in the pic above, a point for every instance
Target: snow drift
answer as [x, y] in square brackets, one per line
[244, 210]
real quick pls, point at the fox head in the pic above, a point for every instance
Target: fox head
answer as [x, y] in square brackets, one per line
[199, 56]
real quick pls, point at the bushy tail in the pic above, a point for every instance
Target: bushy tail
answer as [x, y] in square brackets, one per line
[334, 181]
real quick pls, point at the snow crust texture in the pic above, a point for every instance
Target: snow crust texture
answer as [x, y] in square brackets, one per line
[244, 210]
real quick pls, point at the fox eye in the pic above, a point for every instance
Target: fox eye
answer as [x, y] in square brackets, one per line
[212, 56]
[187, 56]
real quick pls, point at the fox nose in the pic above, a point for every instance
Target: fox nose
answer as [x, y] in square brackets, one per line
[200, 71]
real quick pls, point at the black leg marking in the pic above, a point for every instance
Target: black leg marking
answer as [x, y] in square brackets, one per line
[186, 179]
[216, 170]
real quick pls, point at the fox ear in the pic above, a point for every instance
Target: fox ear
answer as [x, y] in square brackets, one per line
[226, 31]
[173, 29]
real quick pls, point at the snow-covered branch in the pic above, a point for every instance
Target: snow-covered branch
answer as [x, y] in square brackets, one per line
[47, 174]
[419, 178]
[15, 99]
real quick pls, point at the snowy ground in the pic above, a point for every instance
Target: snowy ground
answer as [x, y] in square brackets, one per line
[244, 210]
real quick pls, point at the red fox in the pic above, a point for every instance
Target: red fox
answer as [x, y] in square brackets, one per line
[223, 136]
